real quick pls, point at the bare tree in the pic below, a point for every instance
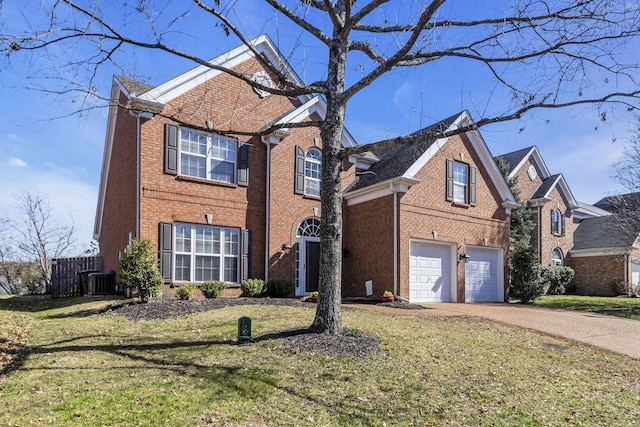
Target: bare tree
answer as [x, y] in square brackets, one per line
[38, 237]
[626, 172]
[535, 54]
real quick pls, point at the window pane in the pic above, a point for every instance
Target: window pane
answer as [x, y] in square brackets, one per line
[230, 269]
[207, 268]
[222, 171]
[231, 242]
[460, 171]
[204, 240]
[183, 238]
[193, 165]
[193, 142]
[311, 187]
[183, 267]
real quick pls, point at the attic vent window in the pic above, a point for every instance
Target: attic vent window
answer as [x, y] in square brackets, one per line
[532, 172]
[263, 79]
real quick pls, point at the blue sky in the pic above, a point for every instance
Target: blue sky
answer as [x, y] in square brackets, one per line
[46, 148]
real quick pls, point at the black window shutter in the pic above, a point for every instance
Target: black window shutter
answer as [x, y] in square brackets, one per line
[472, 185]
[245, 261]
[170, 149]
[299, 180]
[166, 251]
[562, 223]
[449, 180]
[243, 164]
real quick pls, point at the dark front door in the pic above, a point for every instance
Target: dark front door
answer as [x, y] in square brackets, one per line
[312, 268]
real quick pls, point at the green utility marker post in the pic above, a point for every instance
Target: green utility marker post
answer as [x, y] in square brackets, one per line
[244, 330]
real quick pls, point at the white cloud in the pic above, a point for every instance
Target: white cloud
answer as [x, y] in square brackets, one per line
[16, 162]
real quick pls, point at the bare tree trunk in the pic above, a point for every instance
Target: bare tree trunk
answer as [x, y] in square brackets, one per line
[329, 312]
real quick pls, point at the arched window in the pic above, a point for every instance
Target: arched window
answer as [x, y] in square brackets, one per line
[310, 227]
[556, 257]
[312, 172]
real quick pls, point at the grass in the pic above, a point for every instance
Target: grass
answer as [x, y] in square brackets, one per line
[83, 369]
[628, 308]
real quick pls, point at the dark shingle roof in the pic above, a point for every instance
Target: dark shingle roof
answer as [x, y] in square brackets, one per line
[514, 158]
[133, 87]
[602, 232]
[546, 185]
[620, 202]
[395, 160]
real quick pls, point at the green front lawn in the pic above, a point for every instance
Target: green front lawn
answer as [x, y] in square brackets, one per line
[81, 369]
[628, 308]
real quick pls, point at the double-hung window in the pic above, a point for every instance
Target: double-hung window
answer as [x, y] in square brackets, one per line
[557, 223]
[461, 183]
[204, 253]
[312, 172]
[207, 155]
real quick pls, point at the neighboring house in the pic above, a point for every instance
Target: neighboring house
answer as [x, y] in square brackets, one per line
[233, 207]
[584, 237]
[606, 252]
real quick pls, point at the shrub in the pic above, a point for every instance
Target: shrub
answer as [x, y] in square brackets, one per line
[280, 288]
[526, 283]
[139, 269]
[185, 292]
[252, 287]
[558, 277]
[213, 289]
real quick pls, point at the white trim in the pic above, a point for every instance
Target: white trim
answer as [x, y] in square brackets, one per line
[316, 105]
[425, 157]
[453, 285]
[385, 188]
[185, 82]
[537, 158]
[116, 89]
[581, 253]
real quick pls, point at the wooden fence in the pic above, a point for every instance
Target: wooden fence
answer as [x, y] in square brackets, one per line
[65, 274]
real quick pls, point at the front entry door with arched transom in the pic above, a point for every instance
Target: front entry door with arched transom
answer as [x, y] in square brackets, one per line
[308, 256]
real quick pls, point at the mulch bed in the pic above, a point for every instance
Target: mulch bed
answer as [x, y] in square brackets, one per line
[352, 343]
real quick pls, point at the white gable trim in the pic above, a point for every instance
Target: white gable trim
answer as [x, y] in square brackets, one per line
[564, 189]
[316, 105]
[116, 89]
[582, 253]
[185, 82]
[536, 158]
[385, 188]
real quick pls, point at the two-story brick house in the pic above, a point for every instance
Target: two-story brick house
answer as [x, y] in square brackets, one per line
[603, 254]
[229, 207]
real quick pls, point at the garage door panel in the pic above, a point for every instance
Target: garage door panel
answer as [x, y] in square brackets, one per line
[430, 275]
[635, 274]
[481, 275]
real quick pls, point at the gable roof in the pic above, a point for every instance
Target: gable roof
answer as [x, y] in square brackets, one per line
[604, 232]
[132, 87]
[620, 202]
[585, 210]
[183, 83]
[399, 164]
[396, 160]
[516, 159]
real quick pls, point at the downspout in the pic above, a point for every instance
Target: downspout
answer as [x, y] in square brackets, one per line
[267, 209]
[540, 234]
[138, 136]
[395, 243]
[626, 269]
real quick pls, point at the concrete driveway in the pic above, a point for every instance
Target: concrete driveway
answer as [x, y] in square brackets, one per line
[607, 332]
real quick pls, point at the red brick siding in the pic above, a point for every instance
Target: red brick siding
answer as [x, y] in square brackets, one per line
[549, 240]
[599, 275]
[119, 214]
[368, 239]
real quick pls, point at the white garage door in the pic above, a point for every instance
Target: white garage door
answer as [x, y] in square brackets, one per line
[429, 273]
[483, 275]
[635, 274]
